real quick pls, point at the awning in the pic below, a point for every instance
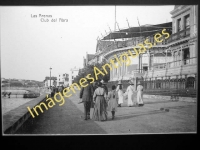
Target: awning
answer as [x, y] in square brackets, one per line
[145, 30]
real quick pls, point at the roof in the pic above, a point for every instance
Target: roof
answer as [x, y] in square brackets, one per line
[144, 30]
[90, 56]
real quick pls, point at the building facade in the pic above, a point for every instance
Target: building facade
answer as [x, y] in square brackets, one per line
[169, 65]
[50, 82]
[73, 73]
[180, 73]
[63, 79]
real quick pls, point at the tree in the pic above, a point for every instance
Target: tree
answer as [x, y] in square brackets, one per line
[89, 69]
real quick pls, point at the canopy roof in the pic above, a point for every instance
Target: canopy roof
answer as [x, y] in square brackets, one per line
[144, 30]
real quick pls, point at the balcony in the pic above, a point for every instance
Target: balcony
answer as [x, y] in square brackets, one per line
[178, 63]
[179, 35]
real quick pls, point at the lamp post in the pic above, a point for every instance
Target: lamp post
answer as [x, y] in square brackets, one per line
[50, 76]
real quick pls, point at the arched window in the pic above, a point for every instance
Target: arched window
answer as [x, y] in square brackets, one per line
[179, 83]
[158, 84]
[166, 83]
[190, 82]
[183, 84]
[172, 83]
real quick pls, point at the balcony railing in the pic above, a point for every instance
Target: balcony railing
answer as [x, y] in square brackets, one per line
[177, 63]
[179, 35]
[121, 44]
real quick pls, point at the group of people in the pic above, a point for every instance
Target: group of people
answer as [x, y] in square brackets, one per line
[6, 93]
[133, 94]
[98, 97]
[55, 89]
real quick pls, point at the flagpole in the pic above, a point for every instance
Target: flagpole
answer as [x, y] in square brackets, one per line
[139, 54]
[128, 26]
[139, 26]
[119, 30]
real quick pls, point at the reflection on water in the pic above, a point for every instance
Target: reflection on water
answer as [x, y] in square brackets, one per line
[8, 104]
[16, 98]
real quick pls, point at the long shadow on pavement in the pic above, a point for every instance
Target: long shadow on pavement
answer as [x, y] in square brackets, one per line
[65, 119]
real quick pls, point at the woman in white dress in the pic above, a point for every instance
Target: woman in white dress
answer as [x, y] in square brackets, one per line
[120, 93]
[131, 94]
[140, 94]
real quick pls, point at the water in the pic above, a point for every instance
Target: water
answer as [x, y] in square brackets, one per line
[16, 100]
[11, 103]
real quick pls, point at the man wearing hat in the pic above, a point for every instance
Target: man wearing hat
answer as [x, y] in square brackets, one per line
[140, 94]
[86, 94]
[131, 93]
[119, 90]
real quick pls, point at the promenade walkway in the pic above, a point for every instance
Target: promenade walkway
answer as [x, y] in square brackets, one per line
[175, 117]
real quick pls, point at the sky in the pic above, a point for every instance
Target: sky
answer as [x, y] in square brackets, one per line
[30, 45]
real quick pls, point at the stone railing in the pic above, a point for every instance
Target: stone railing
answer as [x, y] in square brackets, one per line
[177, 63]
[15, 118]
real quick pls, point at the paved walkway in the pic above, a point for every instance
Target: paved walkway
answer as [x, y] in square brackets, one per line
[66, 119]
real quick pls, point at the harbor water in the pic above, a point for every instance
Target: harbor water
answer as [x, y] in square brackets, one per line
[13, 102]
[16, 98]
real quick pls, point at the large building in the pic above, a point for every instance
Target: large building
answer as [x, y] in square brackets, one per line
[50, 81]
[73, 73]
[169, 65]
[63, 79]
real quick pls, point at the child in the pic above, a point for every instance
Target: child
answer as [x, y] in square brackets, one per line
[112, 101]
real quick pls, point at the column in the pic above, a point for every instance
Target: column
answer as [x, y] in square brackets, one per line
[195, 81]
[141, 63]
[153, 61]
[181, 56]
[177, 82]
[182, 23]
[154, 83]
[149, 65]
[150, 83]
[123, 67]
[185, 86]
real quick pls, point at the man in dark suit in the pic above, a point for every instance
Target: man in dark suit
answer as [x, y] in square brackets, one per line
[86, 94]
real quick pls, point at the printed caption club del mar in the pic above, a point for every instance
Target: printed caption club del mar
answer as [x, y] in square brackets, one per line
[48, 18]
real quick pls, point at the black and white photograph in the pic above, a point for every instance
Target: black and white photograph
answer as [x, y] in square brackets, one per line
[99, 69]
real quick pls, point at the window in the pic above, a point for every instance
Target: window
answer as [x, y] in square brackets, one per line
[186, 56]
[190, 82]
[187, 21]
[179, 25]
[145, 68]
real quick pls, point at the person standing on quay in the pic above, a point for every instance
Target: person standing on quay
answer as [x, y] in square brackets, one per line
[140, 94]
[52, 91]
[120, 93]
[86, 95]
[100, 113]
[131, 93]
[112, 101]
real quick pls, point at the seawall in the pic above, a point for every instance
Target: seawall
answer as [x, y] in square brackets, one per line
[15, 118]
